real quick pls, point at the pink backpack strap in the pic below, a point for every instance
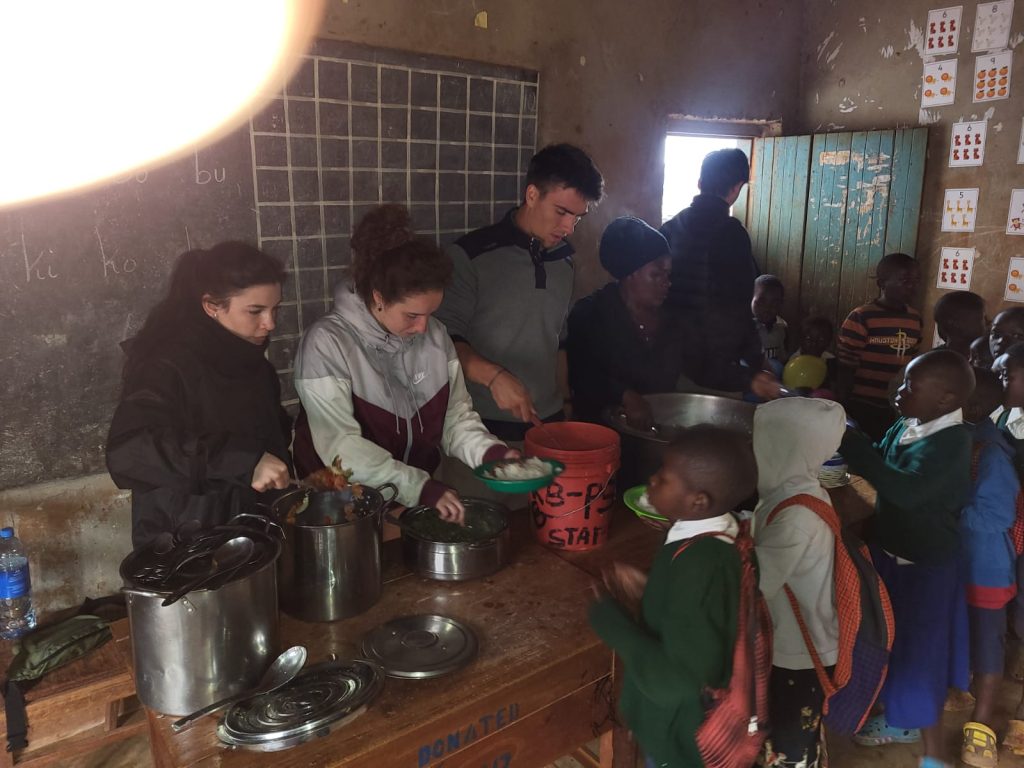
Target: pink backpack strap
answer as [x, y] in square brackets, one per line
[706, 535]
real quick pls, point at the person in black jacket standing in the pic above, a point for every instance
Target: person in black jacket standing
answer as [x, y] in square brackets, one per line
[200, 432]
[713, 273]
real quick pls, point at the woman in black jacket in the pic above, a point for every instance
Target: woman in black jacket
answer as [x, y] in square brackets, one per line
[200, 431]
[621, 343]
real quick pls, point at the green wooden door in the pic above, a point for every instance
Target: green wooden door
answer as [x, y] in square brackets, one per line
[824, 209]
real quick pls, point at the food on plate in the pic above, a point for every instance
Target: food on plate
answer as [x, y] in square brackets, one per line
[530, 468]
[645, 504]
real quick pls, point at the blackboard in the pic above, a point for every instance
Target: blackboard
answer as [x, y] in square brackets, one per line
[77, 276]
[356, 126]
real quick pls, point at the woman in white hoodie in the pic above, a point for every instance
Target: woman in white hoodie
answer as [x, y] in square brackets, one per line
[380, 383]
[793, 437]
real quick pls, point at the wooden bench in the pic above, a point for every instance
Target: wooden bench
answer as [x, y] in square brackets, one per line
[78, 708]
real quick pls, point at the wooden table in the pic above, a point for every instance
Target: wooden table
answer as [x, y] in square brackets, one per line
[540, 687]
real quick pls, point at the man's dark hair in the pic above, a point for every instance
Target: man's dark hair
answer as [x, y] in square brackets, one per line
[568, 166]
[1015, 356]
[949, 367]
[770, 283]
[722, 170]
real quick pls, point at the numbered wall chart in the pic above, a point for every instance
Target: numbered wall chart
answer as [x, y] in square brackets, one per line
[967, 144]
[1015, 280]
[960, 210]
[1015, 218]
[939, 86]
[992, 26]
[992, 77]
[955, 268]
[943, 31]
[1020, 148]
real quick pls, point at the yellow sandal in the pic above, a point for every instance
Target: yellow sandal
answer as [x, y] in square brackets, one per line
[1015, 737]
[980, 748]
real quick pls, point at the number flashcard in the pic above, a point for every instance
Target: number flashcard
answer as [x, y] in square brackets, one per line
[960, 210]
[992, 77]
[955, 268]
[1015, 218]
[943, 31]
[967, 143]
[992, 26]
[939, 86]
[1015, 280]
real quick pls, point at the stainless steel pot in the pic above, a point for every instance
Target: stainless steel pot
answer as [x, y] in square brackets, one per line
[330, 572]
[456, 561]
[642, 449]
[209, 645]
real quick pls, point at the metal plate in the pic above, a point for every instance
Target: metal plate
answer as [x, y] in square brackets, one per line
[421, 646]
[319, 699]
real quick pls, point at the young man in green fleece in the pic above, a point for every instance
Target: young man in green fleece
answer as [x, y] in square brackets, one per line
[922, 472]
[676, 628]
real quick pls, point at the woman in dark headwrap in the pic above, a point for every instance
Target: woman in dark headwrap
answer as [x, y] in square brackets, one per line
[621, 344]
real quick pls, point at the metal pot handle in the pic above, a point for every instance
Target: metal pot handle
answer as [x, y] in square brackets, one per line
[388, 486]
[268, 524]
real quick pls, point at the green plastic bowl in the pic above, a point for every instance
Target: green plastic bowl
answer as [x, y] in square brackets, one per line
[517, 486]
[632, 500]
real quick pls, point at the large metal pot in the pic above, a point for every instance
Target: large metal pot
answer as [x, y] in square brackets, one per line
[456, 561]
[210, 644]
[642, 449]
[330, 572]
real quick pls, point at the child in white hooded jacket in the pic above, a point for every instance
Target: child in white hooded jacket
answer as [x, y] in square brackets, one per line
[793, 437]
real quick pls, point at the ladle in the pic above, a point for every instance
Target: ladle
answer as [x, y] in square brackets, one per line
[229, 555]
[283, 670]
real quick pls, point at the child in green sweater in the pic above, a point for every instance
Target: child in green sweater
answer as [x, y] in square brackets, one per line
[921, 471]
[676, 628]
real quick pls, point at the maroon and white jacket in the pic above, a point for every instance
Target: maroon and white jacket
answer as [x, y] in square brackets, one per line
[386, 405]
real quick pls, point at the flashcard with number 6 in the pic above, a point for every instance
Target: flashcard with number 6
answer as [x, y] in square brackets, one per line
[955, 268]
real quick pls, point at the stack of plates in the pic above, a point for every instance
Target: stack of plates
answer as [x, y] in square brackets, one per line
[833, 473]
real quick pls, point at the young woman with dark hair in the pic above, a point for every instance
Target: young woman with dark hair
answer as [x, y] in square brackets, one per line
[200, 432]
[380, 383]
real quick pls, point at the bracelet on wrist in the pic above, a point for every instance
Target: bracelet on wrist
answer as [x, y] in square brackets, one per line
[494, 378]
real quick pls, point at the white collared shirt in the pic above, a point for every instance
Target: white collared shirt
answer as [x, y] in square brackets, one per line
[917, 431]
[686, 529]
[1014, 423]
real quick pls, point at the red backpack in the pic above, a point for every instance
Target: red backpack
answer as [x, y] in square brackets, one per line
[866, 625]
[736, 725]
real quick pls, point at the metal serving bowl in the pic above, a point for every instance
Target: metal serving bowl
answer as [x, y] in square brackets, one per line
[642, 449]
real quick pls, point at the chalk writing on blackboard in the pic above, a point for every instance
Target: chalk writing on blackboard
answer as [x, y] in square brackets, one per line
[204, 176]
[110, 266]
[37, 267]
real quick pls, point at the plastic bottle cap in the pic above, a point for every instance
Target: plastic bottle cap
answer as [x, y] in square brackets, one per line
[6, 533]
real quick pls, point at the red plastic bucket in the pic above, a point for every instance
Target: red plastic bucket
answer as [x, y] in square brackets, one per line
[574, 512]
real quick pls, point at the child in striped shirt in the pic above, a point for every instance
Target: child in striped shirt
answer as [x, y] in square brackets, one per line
[876, 342]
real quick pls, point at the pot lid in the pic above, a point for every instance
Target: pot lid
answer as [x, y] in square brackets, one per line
[421, 646]
[319, 699]
[172, 561]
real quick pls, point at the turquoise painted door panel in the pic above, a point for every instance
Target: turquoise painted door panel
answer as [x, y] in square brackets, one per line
[824, 209]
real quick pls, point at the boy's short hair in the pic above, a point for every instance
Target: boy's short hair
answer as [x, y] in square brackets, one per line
[717, 461]
[568, 166]
[1013, 314]
[821, 323]
[1014, 356]
[952, 307]
[770, 283]
[892, 263]
[951, 368]
[986, 397]
[722, 170]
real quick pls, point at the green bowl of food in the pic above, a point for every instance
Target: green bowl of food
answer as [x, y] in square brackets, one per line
[519, 475]
[636, 499]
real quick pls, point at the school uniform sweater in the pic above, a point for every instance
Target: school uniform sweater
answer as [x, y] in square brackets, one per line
[682, 644]
[922, 487]
[985, 524]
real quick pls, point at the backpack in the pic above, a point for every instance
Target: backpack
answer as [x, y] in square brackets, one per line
[866, 625]
[736, 725]
[47, 648]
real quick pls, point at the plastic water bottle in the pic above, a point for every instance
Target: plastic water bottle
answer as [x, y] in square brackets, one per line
[17, 616]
